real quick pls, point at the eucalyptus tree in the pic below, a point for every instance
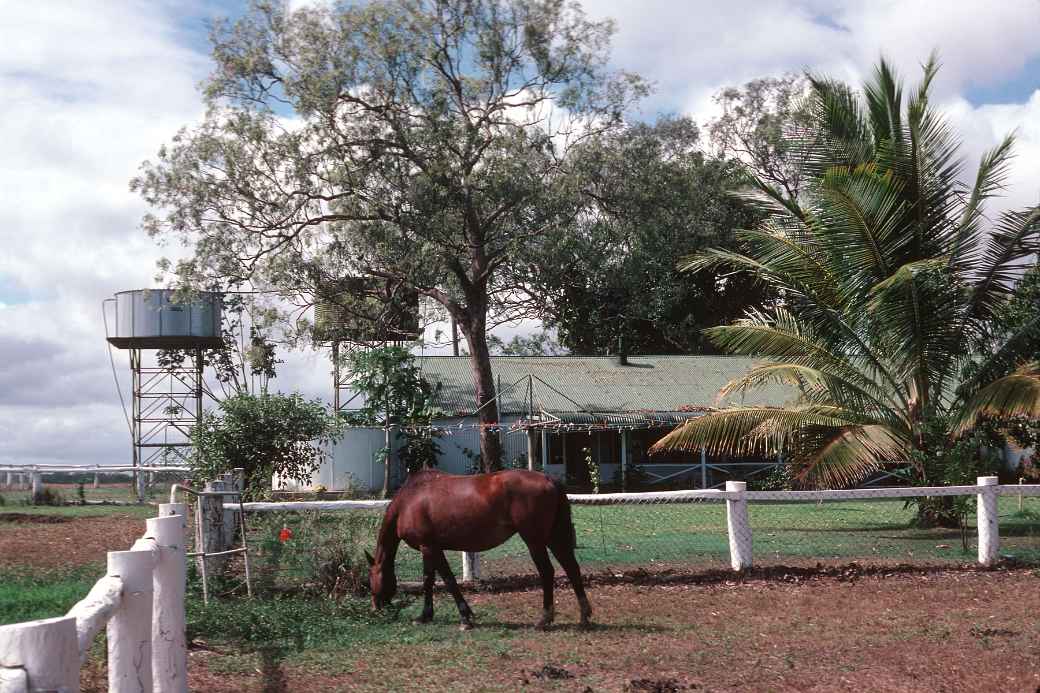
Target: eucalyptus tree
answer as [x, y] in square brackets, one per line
[612, 282]
[422, 142]
[760, 124]
[890, 273]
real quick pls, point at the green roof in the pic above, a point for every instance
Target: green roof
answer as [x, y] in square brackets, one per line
[564, 384]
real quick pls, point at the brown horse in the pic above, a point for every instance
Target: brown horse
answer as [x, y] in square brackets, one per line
[436, 512]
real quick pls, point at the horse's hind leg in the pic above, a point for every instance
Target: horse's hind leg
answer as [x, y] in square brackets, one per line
[563, 549]
[465, 613]
[429, 564]
[545, 571]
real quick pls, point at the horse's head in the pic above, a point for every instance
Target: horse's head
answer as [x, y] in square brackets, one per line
[382, 582]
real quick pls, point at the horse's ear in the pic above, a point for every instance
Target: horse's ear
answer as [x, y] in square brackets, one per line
[368, 557]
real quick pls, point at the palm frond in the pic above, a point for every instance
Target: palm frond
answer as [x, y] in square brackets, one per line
[1017, 394]
[841, 457]
[1007, 253]
[989, 180]
[749, 430]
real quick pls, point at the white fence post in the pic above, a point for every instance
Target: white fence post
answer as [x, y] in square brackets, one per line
[13, 680]
[37, 486]
[739, 527]
[470, 566]
[47, 650]
[169, 649]
[989, 530]
[130, 629]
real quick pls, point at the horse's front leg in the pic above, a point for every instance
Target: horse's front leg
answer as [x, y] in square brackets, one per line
[465, 613]
[429, 563]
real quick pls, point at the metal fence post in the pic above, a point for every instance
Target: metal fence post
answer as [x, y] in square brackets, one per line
[989, 529]
[739, 527]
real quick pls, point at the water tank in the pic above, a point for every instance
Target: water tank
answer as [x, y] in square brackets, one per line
[151, 319]
[366, 309]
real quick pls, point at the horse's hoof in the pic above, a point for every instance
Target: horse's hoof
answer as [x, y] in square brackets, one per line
[422, 620]
[465, 626]
[543, 625]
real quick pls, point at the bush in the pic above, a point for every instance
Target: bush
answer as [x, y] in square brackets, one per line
[47, 496]
[263, 435]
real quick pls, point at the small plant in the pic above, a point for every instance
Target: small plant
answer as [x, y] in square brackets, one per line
[48, 496]
[593, 467]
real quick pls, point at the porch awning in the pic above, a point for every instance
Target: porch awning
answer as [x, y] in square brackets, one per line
[609, 420]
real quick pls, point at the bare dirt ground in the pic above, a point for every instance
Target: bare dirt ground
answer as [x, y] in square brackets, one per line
[50, 541]
[836, 628]
[947, 630]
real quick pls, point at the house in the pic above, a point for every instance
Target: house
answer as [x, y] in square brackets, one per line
[556, 410]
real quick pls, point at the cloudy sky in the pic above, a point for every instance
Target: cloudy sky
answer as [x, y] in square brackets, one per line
[93, 87]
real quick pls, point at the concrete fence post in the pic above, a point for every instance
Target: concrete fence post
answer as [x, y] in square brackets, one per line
[739, 526]
[37, 486]
[47, 651]
[139, 486]
[13, 680]
[130, 628]
[169, 649]
[10, 480]
[989, 529]
[470, 566]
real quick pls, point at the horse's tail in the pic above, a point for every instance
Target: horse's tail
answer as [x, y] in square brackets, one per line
[563, 525]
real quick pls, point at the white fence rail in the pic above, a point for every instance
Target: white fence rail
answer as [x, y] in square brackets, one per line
[31, 476]
[737, 497]
[141, 602]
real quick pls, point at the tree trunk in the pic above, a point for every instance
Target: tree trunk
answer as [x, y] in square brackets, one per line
[484, 381]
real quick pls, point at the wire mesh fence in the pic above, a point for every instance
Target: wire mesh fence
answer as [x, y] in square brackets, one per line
[651, 532]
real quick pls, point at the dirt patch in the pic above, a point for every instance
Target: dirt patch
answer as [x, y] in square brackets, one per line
[853, 630]
[48, 541]
[27, 519]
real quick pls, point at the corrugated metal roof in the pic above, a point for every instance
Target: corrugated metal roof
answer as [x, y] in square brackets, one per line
[599, 383]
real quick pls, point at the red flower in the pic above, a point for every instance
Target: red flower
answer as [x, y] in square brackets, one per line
[285, 535]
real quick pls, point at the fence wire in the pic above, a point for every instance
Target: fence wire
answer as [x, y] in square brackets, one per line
[315, 549]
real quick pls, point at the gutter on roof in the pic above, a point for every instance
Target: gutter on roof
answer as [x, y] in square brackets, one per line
[609, 420]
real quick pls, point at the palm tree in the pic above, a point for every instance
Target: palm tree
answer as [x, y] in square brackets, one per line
[889, 274]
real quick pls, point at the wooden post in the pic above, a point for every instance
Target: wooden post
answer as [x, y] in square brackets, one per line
[10, 480]
[139, 485]
[130, 629]
[97, 480]
[624, 460]
[989, 530]
[545, 449]
[739, 527]
[46, 650]
[209, 532]
[169, 649]
[704, 468]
